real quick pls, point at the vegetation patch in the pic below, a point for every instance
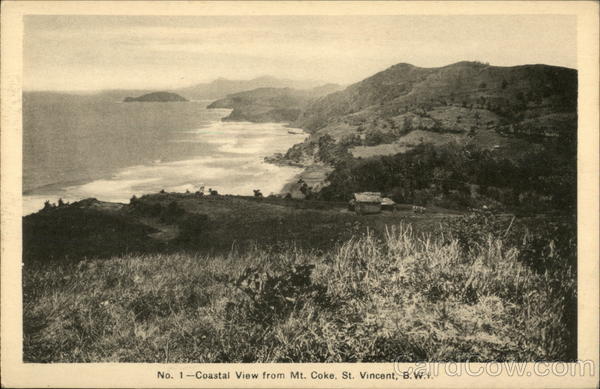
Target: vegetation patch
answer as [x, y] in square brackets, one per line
[480, 288]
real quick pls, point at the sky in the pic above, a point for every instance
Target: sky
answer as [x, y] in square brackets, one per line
[147, 52]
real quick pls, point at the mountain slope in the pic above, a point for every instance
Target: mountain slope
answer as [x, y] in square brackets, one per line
[514, 92]
[508, 112]
[271, 104]
[497, 108]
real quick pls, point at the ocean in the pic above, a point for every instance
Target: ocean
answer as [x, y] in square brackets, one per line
[75, 147]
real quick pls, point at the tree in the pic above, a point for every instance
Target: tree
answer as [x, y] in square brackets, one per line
[326, 143]
[47, 205]
[191, 228]
[171, 213]
[376, 137]
[306, 190]
[351, 140]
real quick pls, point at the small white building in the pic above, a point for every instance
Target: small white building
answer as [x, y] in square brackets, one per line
[366, 203]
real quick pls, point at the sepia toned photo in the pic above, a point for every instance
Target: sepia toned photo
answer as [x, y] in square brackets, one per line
[299, 188]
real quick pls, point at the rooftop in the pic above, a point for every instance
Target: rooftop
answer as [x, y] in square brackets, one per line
[368, 197]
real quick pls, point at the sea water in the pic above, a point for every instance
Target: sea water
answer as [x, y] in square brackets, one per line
[80, 147]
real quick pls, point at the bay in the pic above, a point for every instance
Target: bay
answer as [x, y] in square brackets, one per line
[76, 147]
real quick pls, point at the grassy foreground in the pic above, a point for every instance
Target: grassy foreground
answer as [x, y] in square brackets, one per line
[401, 295]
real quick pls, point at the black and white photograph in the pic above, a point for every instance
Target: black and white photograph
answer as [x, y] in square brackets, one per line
[300, 188]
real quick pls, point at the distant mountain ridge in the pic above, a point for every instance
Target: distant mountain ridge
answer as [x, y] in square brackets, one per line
[222, 87]
[213, 90]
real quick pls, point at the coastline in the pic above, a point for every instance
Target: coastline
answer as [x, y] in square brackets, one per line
[315, 176]
[246, 144]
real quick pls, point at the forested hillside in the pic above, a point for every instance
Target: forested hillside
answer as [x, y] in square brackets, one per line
[463, 135]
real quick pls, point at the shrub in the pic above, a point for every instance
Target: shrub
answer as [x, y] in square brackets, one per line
[272, 296]
[548, 173]
[376, 137]
[191, 228]
[171, 213]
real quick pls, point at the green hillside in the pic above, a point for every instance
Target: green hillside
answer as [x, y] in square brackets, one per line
[175, 278]
[514, 92]
[271, 104]
[520, 120]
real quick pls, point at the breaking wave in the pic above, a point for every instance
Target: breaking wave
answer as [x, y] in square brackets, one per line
[230, 159]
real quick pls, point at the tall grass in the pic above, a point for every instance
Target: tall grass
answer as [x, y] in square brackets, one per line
[402, 296]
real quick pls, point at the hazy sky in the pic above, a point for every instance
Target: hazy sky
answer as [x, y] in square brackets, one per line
[98, 52]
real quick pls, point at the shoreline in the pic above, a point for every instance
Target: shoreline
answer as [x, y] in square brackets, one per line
[33, 198]
[315, 176]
